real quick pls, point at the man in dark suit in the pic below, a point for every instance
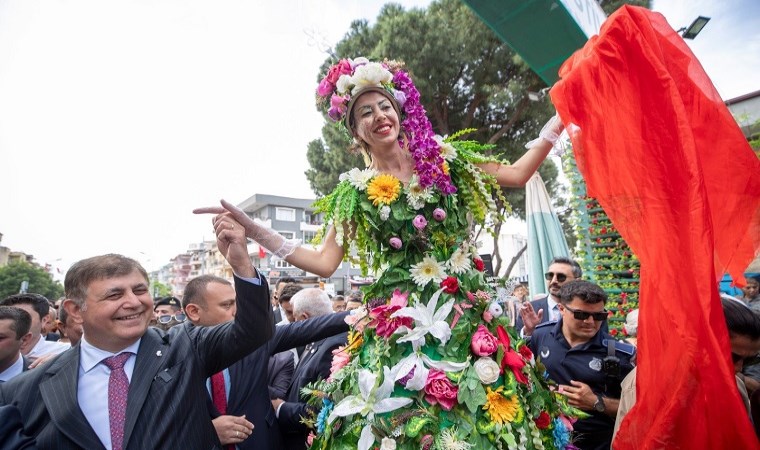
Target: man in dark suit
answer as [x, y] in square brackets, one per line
[209, 301]
[12, 430]
[561, 271]
[127, 386]
[314, 364]
[14, 331]
[277, 310]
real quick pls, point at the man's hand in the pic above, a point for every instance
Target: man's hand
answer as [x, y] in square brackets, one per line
[579, 395]
[232, 429]
[230, 238]
[530, 318]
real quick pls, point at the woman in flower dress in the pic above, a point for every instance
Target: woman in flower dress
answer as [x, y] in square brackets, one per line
[431, 362]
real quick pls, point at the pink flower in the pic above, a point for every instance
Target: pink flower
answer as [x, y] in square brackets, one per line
[339, 361]
[325, 88]
[342, 68]
[439, 214]
[395, 242]
[483, 342]
[439, 390]
[419, 222]
[384, 324]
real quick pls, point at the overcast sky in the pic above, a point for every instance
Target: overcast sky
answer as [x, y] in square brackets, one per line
[117, 118]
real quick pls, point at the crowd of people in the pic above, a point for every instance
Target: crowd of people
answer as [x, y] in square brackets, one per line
[237, 364]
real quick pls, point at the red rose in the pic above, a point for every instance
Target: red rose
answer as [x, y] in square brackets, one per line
[439, 390]
[543, 420]
[479, 264]
[614, 332]
[450, 285]
[525, 352]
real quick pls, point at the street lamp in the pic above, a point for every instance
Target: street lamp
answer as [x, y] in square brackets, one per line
[693, 30]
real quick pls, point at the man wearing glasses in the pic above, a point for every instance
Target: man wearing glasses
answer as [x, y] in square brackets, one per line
[586, 362]
[561, 270]
[168, 312]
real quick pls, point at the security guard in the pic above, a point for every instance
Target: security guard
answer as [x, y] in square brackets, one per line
[586, 362]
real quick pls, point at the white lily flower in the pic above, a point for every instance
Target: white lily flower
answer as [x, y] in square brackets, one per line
[426, 320]
[372, 400]
[420, 363]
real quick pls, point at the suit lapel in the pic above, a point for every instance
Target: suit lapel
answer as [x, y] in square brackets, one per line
[59, 393]
[147, 365]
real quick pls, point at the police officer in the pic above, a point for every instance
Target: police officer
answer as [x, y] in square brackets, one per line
[586, 362]
[168, 312]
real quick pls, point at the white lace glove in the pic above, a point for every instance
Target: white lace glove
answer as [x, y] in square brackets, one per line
[271, 240]
[550, 132]
[266, 237]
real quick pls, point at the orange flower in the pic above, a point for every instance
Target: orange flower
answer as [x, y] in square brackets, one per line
[383, 189]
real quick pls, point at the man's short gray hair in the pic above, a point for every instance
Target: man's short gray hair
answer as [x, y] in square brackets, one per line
[312, 301]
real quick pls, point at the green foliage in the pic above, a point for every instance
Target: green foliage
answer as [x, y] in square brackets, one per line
[158, 289]
[610, 6]
[466, 76]
[40, 281]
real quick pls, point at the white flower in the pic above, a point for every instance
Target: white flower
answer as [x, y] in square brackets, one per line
[426, 320]
[448, 151]
[371, 74]
[419, 362]
[449, 440]
[358, 178]
[343, 84]
[426, 271]
[487, 370]
[387, 444]
[372, 400]
[416, 195]
[459, 262]
[359, 61]
[385, 212]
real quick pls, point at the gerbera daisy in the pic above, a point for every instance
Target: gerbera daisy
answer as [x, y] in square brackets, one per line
[426, 271]
[383, 189]
[459, 262]
[500, 408]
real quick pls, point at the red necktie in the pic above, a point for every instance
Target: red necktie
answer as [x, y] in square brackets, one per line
[219, 397]
[118, 387]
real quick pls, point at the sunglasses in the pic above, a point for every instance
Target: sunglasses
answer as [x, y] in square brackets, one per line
[561, 277]
[747, 360]
[600, 316]
[179, 317]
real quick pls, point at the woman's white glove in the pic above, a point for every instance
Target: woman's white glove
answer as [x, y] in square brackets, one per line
[266, 237]
[550, 132]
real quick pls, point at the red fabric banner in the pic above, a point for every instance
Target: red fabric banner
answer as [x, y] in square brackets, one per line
[668, 163]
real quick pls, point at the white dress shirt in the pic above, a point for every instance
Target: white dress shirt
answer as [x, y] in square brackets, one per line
[553, 309]
[44, 347]
[92, 389]
[14, 369]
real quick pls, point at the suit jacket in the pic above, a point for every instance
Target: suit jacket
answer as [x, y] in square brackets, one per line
[280, 373]
[277, 314]
[249, 378]
[314, 364]
[541, 303]
[12, 430]
[166, 404]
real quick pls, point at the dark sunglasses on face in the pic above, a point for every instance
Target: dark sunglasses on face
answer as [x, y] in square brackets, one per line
[179, 317]
[561, 277]
[747, 360]
[583, 315]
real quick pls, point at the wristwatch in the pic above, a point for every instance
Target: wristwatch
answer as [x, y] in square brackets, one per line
[599, 405]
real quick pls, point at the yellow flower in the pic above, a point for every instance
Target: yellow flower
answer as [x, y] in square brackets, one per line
[383, 189]
[445, 167]
[500, 408]
[355, 340]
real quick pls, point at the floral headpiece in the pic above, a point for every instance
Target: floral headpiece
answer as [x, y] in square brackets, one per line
[349, 78]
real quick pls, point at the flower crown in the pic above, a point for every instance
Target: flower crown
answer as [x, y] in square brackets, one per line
[350, 77]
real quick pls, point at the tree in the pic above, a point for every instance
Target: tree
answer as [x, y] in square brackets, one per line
[40, 281]
[159, 289]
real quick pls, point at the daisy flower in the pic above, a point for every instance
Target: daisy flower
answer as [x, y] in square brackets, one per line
[448, 151]
[416, 195]
[501, 409]
[358, 178]
[426, 271]
[459, 262]
[384, 189]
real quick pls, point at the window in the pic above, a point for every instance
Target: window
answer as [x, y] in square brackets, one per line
[282, 264]
[287, 234]
[285, 214]
[308, 236]
[311, 218]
